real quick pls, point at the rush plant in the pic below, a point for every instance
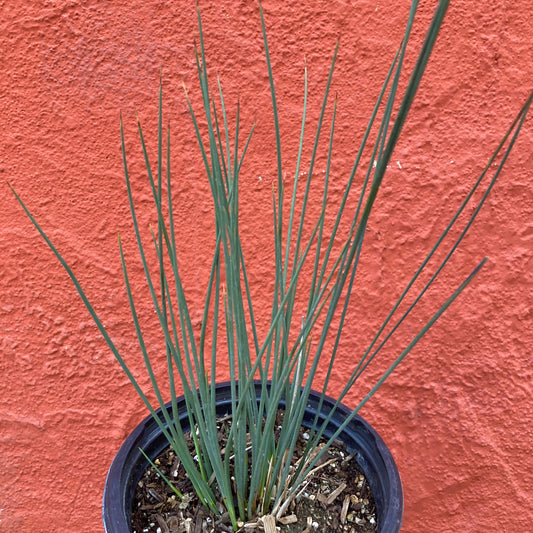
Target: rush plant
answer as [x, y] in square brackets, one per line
[254, 475]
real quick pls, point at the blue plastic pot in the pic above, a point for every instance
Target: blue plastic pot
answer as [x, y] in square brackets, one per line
[371, 454]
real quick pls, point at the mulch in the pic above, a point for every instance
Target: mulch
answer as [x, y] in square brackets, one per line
[337, 499]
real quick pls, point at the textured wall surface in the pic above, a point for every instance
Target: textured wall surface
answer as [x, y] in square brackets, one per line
[457, 415]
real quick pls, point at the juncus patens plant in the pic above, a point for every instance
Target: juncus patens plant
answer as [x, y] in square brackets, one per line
[254, 475]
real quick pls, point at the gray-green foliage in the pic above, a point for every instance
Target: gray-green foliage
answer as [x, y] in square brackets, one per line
[254, 475]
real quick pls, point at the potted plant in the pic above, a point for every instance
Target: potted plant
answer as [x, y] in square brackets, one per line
[240, 444]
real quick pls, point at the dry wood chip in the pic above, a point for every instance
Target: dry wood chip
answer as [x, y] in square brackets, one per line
[335, 493]
[198, 526]
[322, 498]
[289, 519]
[173, 523]
[269, 523]
[162, 523]
[344, 510]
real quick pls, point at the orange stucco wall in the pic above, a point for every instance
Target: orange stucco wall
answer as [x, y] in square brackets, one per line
[457, 415]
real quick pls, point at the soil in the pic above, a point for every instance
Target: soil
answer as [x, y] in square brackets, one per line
[337, 499]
